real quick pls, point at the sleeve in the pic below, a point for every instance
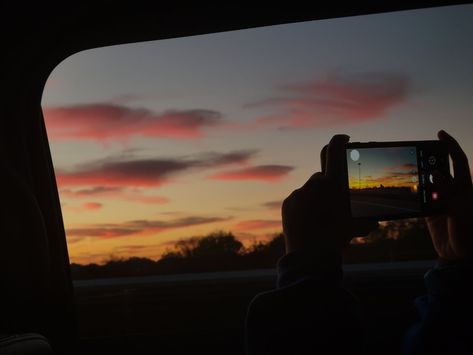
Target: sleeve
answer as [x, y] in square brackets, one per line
[446, 314]
[309, 311]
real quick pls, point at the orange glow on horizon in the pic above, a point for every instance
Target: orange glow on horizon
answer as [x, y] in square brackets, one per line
[384, 182]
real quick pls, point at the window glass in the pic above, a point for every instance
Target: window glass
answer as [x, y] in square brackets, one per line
[160, 143]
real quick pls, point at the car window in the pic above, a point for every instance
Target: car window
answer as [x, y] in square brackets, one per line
[174, 156]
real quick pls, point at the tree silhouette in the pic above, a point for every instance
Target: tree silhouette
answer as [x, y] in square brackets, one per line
[221, 251]
[221, 244]
[215, 244]
[186, 247]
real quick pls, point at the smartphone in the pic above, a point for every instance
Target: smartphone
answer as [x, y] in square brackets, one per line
[393, 180]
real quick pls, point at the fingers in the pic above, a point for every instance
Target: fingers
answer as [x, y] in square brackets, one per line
[438, 230]
[313, 180]
[302, 192]
[461, 169]
[336, 155]
[323, 159]
[444, 184]
[437, 225]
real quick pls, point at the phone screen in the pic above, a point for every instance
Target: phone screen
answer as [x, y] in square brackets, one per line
[391, 182]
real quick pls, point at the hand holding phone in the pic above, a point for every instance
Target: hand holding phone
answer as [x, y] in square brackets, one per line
[316, 217]
[451, 232]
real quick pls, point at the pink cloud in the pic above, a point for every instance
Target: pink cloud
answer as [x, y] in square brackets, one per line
[117, 193]
[273, 205]
[139, 227]
[105, 121]
[92, 206]
[116, 173]
[268, 173]
[152, 200]
[100, 191]
[402, 167]
[338, 98]
[253, 224]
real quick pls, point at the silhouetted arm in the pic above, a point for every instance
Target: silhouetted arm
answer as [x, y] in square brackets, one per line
[446, 313]
[308, 313]
[446, 324]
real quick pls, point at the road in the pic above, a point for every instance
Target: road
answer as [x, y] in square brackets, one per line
[169, 312]
[350, 270]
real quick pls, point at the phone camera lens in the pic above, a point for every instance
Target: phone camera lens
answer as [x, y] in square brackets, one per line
[432, 160]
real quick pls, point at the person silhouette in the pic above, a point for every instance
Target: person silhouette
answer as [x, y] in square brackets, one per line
[310, 312]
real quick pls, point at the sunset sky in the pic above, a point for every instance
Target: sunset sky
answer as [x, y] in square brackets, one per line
[157, 141]
[390, 167]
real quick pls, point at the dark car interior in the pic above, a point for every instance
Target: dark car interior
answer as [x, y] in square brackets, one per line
[43, 310]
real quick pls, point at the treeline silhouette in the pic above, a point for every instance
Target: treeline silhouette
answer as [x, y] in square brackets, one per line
[222, 251]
